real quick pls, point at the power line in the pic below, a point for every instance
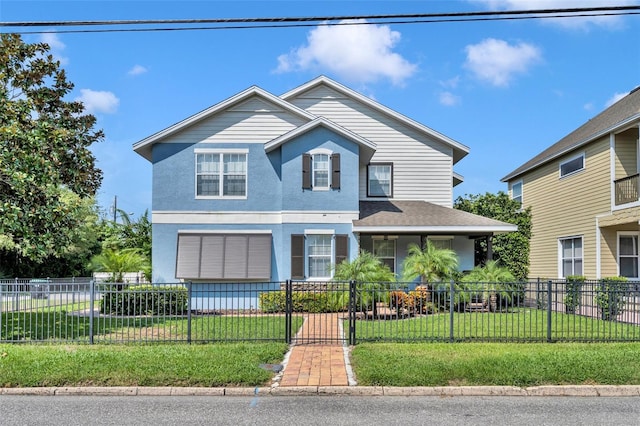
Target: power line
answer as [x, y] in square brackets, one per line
[289, 22]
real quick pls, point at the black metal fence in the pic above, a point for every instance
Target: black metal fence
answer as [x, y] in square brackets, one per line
[83, 311]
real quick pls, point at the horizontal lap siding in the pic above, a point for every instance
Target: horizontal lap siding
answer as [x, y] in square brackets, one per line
[626, 161]
[567, 207]
[422, 167]
[251, 121]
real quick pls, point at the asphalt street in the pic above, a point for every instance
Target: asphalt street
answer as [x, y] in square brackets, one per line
[316, 410]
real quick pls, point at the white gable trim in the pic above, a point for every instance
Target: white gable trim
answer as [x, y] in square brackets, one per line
[143, 147]
[459, 149]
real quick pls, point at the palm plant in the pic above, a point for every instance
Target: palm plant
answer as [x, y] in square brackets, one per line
[430, 264]
[492, 281]
[118, 262]
[370, 275]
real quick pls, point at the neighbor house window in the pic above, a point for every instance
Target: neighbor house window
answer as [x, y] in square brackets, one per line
[380, 180]
[442, 242]
[572, 166]
[571, 256]
[628, 255]
[516, 192]
[385, 250]
[221, 174]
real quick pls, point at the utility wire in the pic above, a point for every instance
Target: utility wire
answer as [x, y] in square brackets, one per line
[289, 22]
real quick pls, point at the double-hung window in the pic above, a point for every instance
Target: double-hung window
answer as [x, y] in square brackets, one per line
[319, 249]
[385, 250]
[571, 256]
[321, 170]
[516, 192]
[380, 180]
[628, 255]
[315, 253]
[221, 174]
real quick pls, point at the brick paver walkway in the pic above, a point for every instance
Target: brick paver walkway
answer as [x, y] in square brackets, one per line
[318, 356]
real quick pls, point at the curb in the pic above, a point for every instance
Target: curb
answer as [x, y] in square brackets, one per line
[439, 391]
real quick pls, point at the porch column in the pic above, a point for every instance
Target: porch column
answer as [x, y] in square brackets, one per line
[489, 248]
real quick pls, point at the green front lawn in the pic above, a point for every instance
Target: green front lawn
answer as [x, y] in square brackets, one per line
[520, 325]
[497, 364]
[211, 365]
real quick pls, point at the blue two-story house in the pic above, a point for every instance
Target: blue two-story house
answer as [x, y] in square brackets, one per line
[262, 187]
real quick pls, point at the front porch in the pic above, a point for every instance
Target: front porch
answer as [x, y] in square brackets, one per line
[388, 228]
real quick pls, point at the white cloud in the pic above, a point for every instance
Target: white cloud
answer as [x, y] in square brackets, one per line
[615, 98]
[56, 45]
[497, 62]
[451, 83]
[449, 99]
[98, 101]
[358, 53]
[588, 106]
[581, 23]
[137, 70]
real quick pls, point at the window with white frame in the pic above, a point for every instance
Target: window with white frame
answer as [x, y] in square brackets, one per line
[571, 256]
[320, 171]
[442, 242]
[319, 253]
[628, 255]
[221, 174]
[385, 250]
[572, 166]
[380, 180]
[516, 192]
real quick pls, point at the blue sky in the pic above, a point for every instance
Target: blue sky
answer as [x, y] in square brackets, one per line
[506, 89]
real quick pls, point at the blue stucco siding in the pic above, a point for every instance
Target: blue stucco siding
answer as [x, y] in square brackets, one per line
[165, 237]
[174, 179]
[295, 198]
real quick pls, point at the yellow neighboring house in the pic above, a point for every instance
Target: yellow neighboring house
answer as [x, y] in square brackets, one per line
[583, 194]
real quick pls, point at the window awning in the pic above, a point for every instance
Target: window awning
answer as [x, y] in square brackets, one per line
[223, 256]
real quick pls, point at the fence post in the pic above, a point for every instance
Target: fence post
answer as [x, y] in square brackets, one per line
[549, 310]
[189, 294]
[92, 299]
[451, 299]
[288, 310]
[352, 312]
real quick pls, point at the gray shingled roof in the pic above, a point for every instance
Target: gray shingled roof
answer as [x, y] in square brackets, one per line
[619, 114]
[422, 216]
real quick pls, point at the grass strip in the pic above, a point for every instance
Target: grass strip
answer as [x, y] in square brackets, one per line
[228, 364]
[497, 364]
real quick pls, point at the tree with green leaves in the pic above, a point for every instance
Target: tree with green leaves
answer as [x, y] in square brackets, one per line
[129, 234]
[510, 249]
[46, 167]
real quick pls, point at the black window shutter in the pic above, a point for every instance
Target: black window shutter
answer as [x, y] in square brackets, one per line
[342, 248]
[297, 257]
[306, 171]
[335, 171]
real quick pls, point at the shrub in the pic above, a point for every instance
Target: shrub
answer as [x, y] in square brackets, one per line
[573, 293]
[610, 297]
[145, 300]
[302, 301]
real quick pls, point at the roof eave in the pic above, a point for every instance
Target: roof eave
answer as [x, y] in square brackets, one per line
[517, 173]
[459, 229]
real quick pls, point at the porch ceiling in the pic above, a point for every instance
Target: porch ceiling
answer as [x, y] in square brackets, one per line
[423, 217]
